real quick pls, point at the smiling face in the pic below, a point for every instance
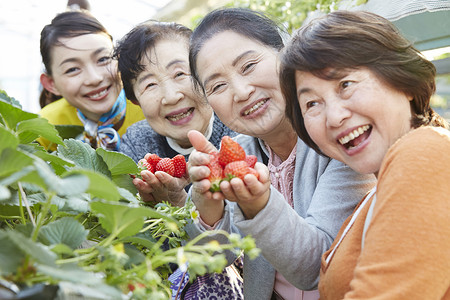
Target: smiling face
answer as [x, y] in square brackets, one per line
[354, 119]
[84, 74]
[166, 95]
[240, 79]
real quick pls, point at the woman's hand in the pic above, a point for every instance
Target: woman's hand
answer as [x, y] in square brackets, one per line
[251, 194]
[159, 187]
[209, 205]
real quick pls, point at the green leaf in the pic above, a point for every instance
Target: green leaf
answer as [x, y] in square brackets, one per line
[125, 194]
[12, 161]
[70, 273]
[5, 194]
[11, 100]
[122, 220]
[126, 182]
[71, 184]
[13, 115]
[37, 251]
[99, 185]
[10, 255]
[69, 131]
[7, 139]
[66, 231]
[31, 129]
[141, 239]
[118, 163]
[83, 156]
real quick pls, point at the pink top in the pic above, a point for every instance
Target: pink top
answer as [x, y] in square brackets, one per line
[282, 178]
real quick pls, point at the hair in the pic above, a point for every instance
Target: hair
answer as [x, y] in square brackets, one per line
[136, 45]
[67, 24]
[249, 23]
[347, 40]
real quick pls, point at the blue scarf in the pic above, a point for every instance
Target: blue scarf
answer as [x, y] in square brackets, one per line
[102, 133]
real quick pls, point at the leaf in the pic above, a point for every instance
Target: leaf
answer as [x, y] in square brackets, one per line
[70, 273]
[69, 131]
[66, 231]
[72, 184]
[13, 115]
[118, 163]
[122, 220]
[12, 161]
[126, 182]
[37, 251]
[31, 129]
[10, 255]
[7, 139]
[83, 156]
[125, 194]
[11, 100]
[140, 239]
[100, 186]
[5, 194]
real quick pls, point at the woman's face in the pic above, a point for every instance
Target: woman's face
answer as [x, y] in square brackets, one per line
[84, 73]
[240, 79]
[354, 119]
[166, 95]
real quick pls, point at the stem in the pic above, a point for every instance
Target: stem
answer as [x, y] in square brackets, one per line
[41, 217]
[27, 205]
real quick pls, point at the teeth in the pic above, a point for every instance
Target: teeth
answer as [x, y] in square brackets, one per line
[180, 116]
[354, 134]
[254, 107]
[98, 95]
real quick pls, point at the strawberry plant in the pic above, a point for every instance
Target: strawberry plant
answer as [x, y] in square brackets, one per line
[71, 221]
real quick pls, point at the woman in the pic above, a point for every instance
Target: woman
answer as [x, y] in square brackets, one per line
[359, 92]
[76, 51]
[233, 57]
[153, 60]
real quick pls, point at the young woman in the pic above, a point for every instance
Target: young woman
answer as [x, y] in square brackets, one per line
[359, 92]
[297, 206]
[76, 51]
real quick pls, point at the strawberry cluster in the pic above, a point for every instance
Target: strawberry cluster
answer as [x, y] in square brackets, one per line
[229, 162]
[175, 166]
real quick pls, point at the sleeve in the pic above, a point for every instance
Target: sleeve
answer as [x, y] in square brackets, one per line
[130, 143]
[406, 251]
[294, 244]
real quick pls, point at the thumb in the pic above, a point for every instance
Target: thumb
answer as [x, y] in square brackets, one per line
[199, 142]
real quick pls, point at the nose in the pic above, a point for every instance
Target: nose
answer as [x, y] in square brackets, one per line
[172, 93]
[337, 113]
[93, 75]
[242, 89]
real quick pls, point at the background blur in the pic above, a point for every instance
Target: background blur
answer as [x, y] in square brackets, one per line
[425, 22]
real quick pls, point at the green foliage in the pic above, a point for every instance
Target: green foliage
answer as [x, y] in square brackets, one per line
[291, 14]
[72, 218]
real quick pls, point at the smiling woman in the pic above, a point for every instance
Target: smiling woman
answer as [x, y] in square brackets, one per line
[76, 51]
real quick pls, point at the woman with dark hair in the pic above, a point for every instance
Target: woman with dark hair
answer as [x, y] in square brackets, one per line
[359, 92]
[77, 54]
[301, 198]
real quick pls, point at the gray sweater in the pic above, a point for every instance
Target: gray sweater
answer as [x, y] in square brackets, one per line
[292, 241]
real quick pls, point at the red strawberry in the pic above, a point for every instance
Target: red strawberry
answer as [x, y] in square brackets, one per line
[153, 159]
[216, 175]
[145, 165]
[238, 169]
[179, 163]
[166, 165]
[230, 150]
[251, 160]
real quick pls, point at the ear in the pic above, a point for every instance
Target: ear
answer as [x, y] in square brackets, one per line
[49, 84]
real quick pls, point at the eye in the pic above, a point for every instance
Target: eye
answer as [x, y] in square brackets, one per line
[104, 60]
[180, 73]
[248, 66]
[71, 70]
[216, 88]
[345, 84]
[150, 85]
[311, 103]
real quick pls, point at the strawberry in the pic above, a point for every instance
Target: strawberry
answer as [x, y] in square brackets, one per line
[251, 160]
[238, 169]
[230, 150]
[145, 165]
[166, 165]
[216, 175]
[153, 159]
[179, 163]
